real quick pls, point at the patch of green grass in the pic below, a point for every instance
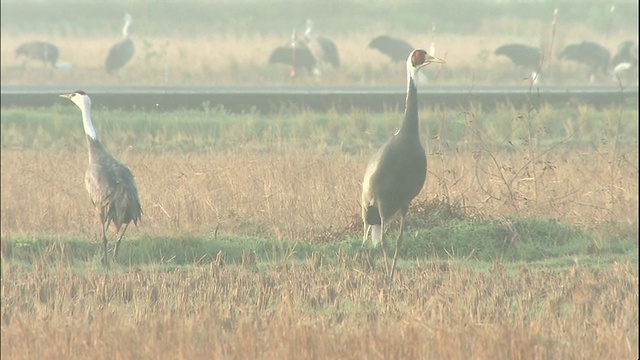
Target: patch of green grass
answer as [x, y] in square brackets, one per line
[541, 242]
[214, 128]
[504, 240]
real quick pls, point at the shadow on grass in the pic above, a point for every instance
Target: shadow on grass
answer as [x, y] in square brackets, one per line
[452, 237]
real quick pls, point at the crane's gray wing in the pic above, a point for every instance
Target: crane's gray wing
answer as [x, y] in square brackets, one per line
[113, 191]
[395, 172]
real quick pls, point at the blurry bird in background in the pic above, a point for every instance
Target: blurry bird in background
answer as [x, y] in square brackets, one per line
[624, 63]
[296, 55]
[306, 53]
[121, 52]
[322, 48]
[396, 49]
[593, 55]
[42, 51]
[528, 58]
[39, 50]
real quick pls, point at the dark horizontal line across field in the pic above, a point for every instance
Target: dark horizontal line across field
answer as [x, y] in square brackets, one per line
[273, 99]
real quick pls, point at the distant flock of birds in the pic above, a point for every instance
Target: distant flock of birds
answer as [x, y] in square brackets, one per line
[118, 56]
[308, 53]
[595, 57]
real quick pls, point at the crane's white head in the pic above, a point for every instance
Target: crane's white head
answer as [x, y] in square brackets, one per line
[83, 101]
[419, 59]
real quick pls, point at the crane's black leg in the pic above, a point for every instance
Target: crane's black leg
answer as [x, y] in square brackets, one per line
[384, 250]
[117, 247]
[366, 231]
[398, 243]
[105, 259]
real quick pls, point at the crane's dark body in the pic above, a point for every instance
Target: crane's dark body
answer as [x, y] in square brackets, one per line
[303, 57]
[397, 172]
[39, 50]
[522, 55]
[112, 187]
[593, 55]
[396, 49]
[119, 55]
[113, 192]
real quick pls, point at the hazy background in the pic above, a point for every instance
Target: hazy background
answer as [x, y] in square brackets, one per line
[229, 42]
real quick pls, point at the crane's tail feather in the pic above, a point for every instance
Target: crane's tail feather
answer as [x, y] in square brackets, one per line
[372, 215]
[373, 222]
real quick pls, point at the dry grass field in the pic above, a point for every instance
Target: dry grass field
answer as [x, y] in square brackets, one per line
[299, 194]
[296, 173]
[343, 311]
[314, 293]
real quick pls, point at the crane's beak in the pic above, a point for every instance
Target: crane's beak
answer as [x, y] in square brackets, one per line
[433, 59]
[66, 96]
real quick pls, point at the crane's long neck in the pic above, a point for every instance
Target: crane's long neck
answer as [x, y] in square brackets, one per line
[308, 29]
[88, 124]
[125, 29]
[410, 125]
[96, 151]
